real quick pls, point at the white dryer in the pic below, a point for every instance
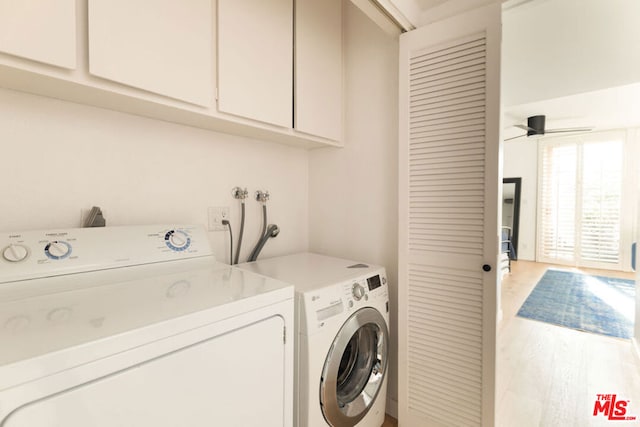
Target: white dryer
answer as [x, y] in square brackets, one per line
[139, 326]
[342, 314]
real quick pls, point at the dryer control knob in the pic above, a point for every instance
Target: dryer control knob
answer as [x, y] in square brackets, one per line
[57, 249]
[15, 253]
[358, 291]
[177, 240]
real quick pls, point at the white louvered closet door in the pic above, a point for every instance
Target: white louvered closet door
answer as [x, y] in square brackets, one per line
[448, 236]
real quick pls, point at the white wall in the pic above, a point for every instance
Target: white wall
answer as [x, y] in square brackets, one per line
[521, 161]
[353, 191]
[59, 157]
[554, 48]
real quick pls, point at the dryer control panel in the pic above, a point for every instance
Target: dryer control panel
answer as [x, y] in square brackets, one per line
[331, 304]
[44, 253]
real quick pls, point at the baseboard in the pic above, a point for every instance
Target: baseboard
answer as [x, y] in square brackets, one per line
[392, 408]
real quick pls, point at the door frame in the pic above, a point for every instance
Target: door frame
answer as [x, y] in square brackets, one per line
[515, 230]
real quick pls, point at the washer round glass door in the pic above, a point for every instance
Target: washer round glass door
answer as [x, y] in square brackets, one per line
[355, 367]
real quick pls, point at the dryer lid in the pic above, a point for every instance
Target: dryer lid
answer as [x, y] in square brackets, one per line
[62, 318]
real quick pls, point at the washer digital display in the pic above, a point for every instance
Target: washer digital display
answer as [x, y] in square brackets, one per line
[373, 282]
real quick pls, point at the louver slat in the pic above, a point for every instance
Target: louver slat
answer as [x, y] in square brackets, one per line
[446, 172]
[445, 350]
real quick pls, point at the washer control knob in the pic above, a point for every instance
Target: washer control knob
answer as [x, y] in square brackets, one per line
[358, 291]
[15, 253]
[57, 249]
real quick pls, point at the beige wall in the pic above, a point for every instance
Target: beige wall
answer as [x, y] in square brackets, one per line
[59, 157]
[353, 191]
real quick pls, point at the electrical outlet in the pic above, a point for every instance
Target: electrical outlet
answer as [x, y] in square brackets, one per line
[216, 216]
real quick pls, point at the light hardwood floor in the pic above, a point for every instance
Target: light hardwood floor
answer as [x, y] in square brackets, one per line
[549, 375]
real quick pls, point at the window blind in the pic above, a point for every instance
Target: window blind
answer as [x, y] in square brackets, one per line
[601, 202]
[558, 204]
[581, 184]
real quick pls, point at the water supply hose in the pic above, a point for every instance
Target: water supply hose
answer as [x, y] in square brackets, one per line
[228, 224]
[272, 231]
[240, 235]
[256, 251]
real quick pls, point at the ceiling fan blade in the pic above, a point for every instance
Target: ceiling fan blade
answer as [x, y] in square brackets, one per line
[563, 130]
[515, 137]
[523, 127]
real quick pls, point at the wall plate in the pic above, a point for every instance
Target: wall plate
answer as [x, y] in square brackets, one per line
[216, 216]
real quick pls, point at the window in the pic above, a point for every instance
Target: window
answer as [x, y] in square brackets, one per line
[581, 200]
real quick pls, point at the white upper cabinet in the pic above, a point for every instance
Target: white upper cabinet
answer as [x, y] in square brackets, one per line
[255, 60]
[165, 47]
[41, 30]
[224, 65]
[318, 68]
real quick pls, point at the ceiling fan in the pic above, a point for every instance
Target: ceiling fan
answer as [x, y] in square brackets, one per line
[535, 126]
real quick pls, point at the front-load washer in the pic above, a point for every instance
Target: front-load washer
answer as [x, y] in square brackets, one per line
[139, 326]
[342, 314]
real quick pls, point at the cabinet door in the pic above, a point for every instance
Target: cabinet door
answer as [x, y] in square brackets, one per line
[42, 30]
[318, 68]
[165, 47]
[255, 59]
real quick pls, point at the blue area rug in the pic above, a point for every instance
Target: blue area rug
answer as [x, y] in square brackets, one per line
[602, 305]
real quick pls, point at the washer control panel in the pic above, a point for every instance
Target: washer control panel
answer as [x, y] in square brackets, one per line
[373, 285]
[33, 254]
[323, 305]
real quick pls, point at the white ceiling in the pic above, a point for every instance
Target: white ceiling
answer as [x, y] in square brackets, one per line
[428, 4]
[416, 13]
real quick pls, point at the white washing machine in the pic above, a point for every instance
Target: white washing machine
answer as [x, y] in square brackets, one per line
[342, 314]
[139, 326]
